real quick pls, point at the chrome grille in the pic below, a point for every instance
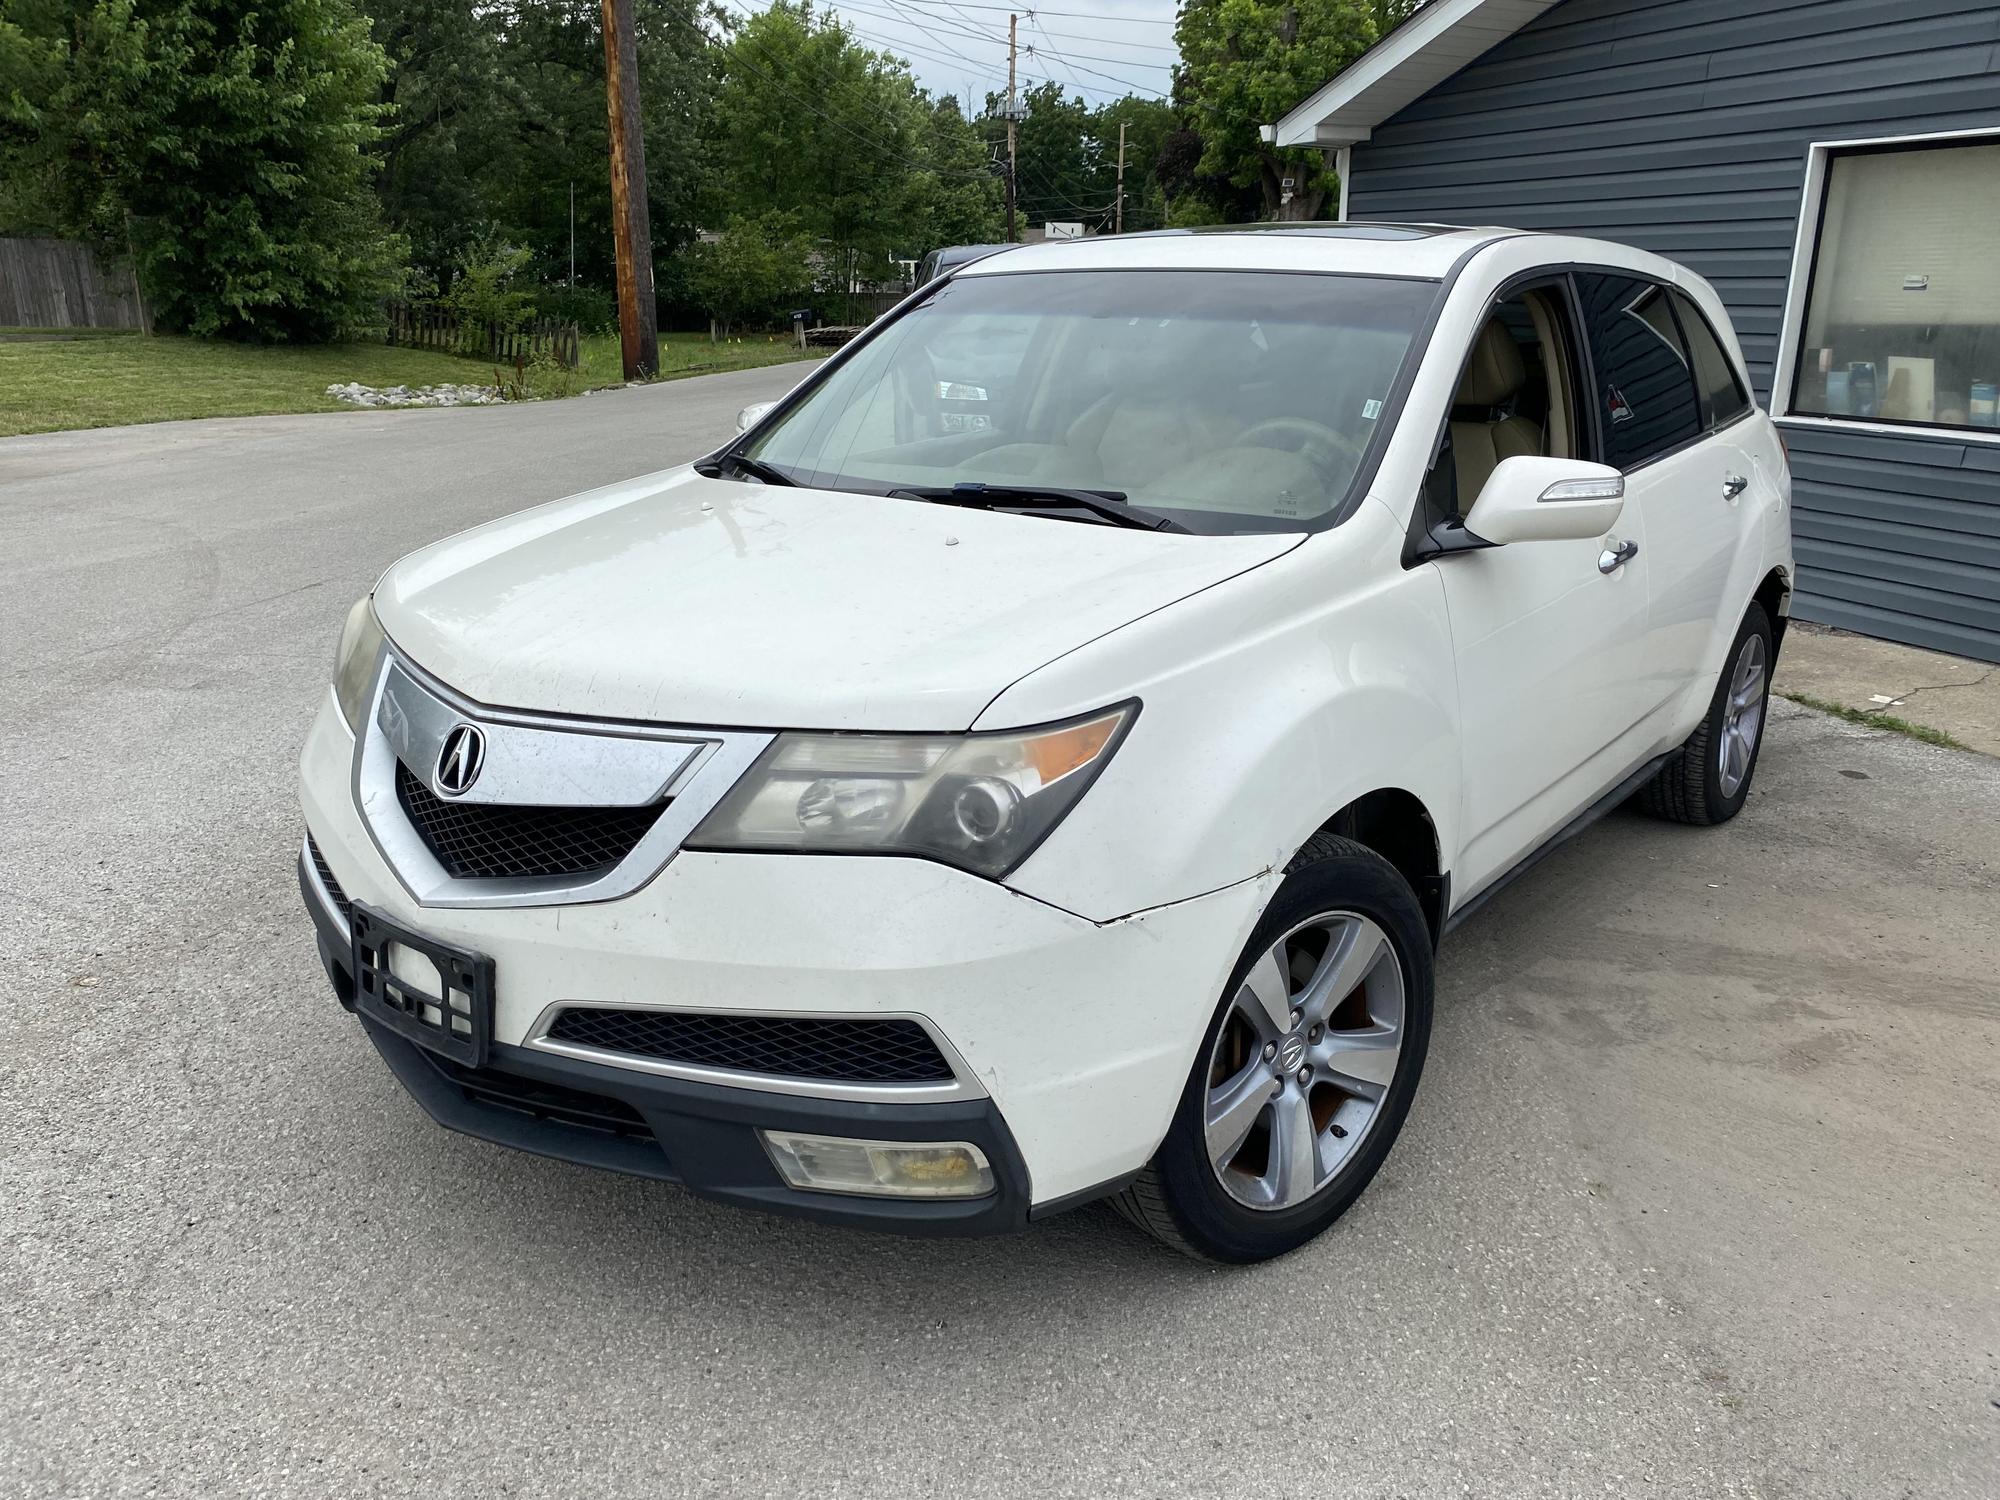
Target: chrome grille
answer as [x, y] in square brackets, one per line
[491, 841]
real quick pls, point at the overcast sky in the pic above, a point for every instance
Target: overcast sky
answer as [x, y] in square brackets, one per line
[1101, 49]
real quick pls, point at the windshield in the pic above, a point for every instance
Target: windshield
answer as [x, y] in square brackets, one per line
[1228, 400]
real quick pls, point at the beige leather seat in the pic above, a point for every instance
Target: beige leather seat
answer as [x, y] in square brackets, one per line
[1483, 431]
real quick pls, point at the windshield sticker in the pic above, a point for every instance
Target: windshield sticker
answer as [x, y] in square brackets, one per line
[1370, 410]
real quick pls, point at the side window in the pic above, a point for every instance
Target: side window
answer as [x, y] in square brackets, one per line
[1517, 394]
[1720, 389]
[1646, 402]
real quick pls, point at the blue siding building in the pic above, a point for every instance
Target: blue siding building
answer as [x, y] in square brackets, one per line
[1832, 166]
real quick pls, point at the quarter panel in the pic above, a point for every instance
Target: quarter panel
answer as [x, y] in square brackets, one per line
[1268, 703]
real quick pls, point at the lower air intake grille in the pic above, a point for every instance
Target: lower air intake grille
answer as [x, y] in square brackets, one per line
[845, 1051]
[544, 1101]
[484, 841]
[334, 893]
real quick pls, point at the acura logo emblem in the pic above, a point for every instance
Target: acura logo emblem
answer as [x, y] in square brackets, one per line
[459, 760]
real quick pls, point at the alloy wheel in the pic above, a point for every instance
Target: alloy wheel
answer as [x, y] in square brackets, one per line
[1742, 716]
[1302, 1063]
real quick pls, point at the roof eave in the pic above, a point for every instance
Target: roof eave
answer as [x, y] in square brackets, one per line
[1427, 48]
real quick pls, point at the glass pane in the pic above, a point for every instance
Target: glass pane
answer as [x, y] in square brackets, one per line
[1645, 390]
[1712, 369]
[1234, 400]
[1903, 321]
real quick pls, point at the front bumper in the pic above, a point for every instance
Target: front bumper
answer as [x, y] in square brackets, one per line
[702, 1136]
[1072, 1038]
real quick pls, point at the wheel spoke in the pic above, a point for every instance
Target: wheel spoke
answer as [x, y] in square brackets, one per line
[1233, 1107]
[1294, 1151]
[1362, 1063]
[1355, 950]
[1266, 996]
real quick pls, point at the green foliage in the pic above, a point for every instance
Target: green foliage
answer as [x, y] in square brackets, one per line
[814, 125]
[490, 286]
[1244, 64]
[591, 308]
[224, 145]
[759, 266]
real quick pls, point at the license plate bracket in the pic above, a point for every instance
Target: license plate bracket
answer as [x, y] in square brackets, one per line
[436, 994]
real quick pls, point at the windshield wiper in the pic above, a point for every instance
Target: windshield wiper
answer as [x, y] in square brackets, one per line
[742, 463]
[1111, 505]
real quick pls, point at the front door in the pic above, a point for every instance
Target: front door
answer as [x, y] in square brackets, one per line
[1550, 643]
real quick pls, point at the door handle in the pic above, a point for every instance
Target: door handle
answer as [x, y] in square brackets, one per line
[1733, 486]
[1611, 559]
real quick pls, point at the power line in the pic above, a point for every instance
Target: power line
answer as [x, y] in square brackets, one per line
[1032, 12]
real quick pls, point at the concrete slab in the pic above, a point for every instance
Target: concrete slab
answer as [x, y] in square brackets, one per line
[1948, 693]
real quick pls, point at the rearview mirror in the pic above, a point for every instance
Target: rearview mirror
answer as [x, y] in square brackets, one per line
[1528, 499]
[752, 414]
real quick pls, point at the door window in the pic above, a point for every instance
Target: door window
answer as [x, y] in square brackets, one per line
[1516, 394]
[1721, 392]
[1645, 388]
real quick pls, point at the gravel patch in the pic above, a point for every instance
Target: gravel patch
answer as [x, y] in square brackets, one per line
[356, 394]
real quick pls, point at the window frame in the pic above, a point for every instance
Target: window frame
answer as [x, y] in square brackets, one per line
[1820, 156]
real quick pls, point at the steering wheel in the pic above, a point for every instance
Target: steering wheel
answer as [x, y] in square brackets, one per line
[1313, 441]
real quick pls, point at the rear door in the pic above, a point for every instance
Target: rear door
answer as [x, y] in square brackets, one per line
[1653, 427]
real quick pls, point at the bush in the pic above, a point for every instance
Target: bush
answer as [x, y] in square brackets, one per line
[488, 288]
[592, 309]
[759, 266]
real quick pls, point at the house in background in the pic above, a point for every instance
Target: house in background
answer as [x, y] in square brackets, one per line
[1832, 167]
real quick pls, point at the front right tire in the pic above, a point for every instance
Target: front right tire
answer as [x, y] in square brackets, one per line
[1303, 1079]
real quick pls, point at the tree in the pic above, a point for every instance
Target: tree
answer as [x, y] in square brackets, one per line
[1244, 64]
[451, 108]
[1148, 123]
[224, 146]
[819, 127]
[757, 267]
[960, 199]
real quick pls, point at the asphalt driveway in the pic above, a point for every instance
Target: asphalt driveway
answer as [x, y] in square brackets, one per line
[1701, 1196]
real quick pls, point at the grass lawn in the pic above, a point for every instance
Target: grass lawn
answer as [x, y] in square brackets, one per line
[107, 381]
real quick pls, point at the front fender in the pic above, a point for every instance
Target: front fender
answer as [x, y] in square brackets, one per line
[1269, 703]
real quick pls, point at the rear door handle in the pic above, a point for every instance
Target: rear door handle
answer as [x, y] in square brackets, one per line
[1733, 486]
[1611, 559]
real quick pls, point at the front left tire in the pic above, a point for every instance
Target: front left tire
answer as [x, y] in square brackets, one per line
[1307, 1070]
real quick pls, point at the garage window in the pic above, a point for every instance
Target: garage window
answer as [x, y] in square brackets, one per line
[1902, 309]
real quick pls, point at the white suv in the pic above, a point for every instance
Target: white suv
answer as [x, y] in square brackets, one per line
[1037, 759]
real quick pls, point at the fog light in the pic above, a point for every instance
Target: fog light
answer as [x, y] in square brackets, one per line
[890, 1169]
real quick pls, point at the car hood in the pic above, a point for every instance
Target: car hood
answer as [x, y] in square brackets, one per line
[680, 599]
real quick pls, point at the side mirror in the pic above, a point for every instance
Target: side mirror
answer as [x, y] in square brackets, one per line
[1529, 499]
[752, 414]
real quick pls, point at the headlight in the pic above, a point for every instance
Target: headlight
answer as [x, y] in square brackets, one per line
[978, 801]
[361, 642]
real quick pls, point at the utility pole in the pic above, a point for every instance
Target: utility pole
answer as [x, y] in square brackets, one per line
[1120, 229]
[631, 222]
[1012, 112]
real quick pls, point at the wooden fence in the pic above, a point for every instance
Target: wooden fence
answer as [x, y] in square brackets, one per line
[48, 283]
[424, 326]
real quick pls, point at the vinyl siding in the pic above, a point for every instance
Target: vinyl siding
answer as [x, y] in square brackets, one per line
[1681, 126]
